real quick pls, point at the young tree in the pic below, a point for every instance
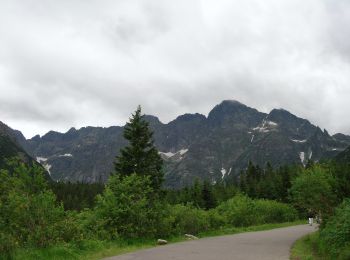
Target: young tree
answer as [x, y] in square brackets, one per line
[140, 156]
[124, 209]
[314, 190]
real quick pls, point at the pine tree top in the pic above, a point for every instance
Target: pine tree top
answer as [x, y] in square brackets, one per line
[140, 156]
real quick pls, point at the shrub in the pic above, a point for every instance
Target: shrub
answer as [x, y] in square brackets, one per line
[335, 236]
[216, 220]
[29, 214]
[188, 219]
[244, 211]
[270, 211]
[238, 211]
[126, 208]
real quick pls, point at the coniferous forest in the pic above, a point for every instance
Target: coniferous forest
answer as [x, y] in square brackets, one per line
[37, 214]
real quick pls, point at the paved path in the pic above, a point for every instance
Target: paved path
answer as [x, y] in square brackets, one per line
[262, 245]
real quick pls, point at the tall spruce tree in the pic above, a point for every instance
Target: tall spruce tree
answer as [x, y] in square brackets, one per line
[140, 156]
[208, 196]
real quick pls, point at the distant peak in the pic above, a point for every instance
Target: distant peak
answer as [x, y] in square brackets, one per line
[152, 119]
[72, 129]
[229, 106]
[189, 116]
[280, 111]
[231, 102]
[35, 138]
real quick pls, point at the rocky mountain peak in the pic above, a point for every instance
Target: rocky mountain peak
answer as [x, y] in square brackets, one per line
[234, 112]
[193, 146]
[152, 120]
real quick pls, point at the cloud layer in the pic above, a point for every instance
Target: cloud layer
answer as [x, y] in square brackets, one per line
[77, 63]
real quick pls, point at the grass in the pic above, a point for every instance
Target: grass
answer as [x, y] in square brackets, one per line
[92, 250]
[304, 248]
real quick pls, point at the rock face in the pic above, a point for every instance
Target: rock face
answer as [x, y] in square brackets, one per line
[193, 146]
[84, 155]
[10, 146]
[344, 156]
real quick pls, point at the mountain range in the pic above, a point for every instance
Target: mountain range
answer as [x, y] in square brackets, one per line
[193, 146]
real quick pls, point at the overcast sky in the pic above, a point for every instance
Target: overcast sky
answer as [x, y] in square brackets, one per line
[82, 62]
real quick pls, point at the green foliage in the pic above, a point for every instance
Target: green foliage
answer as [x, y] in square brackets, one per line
[268, 183]
[314, 190]
[140, 156]
[341, 172]
[29, 214]
[304, 248]
[127, 209]
[331, 242]
[201, 194]
[269, 211]
[244, 211]
[334, 239]
[76, 196]
[209, 200]
[188, 219]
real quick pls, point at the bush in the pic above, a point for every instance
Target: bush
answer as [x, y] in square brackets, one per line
[29, 214]
[126, 208]
[216, 221]
[238, 211]
[335, 236]
[244, 211]
[188, 219]
[270, 211]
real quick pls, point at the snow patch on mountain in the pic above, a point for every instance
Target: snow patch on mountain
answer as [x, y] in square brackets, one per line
[302, 157]
[265, 126]
[41, 159]
[271, 123]
[298, 141]
[177, 154]
[66, 155]
[183, 151]
[43, 162]
[261, 129]
[47, 167]
[251, 140]
[168, 154]
[223, 172]
[337, 149]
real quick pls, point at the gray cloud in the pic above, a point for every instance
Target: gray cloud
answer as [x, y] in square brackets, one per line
[76, 63]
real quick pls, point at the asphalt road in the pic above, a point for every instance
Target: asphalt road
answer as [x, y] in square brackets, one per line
[262, 245]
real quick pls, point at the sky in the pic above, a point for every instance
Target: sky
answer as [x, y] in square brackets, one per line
[74, 63]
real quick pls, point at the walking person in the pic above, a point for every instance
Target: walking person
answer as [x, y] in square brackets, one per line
[310, 215]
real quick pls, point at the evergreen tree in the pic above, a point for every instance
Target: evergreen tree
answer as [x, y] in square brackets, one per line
[140, 156]
[197, 194]
[208, 196]
[251, 180]
[243, 182]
